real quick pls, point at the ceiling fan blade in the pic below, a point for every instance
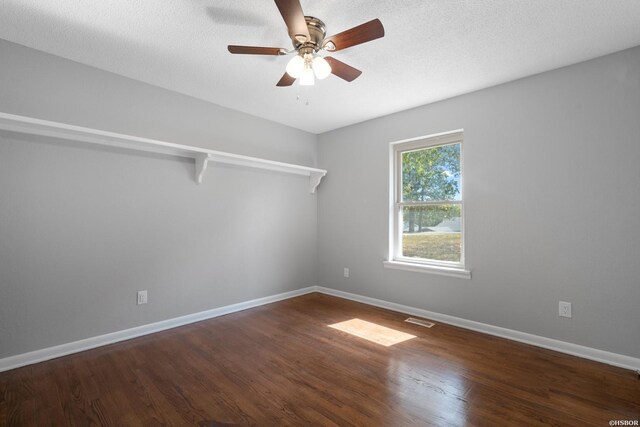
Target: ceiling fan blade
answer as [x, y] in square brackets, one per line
[256, 50]
[286, 80]
[291, 11]
[342, 70]
[357, 35]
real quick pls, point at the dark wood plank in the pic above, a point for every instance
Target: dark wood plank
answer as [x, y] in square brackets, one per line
[17, 398]
[293, 16]
[255, 50]
[342, 70]
[357, 35]
[281, 364]
[285, 80]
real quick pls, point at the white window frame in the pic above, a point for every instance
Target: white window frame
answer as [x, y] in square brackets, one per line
[395, 259]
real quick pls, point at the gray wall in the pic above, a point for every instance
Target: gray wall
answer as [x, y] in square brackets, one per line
[552, 204]
[83, 228]
[552, 180]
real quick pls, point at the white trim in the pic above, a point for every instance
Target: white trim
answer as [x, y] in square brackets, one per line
[441, 138]
[36, 356]
[602, 356]
[32, 126]
[429, 203]
[396, 204]
[460, 273]
[42, 355]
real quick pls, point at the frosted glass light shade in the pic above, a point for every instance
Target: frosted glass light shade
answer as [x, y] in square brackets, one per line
[306, 78]
[321, 67]
[295, 66]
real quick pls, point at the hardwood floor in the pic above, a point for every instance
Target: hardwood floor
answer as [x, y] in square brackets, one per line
[281, 364]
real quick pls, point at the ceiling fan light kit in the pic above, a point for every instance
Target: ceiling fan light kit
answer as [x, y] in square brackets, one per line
[306, 78]
[308, 36]
[295, 66]
[305, 66]
[321, 67]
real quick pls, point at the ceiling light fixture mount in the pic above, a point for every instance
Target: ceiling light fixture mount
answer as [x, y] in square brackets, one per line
[308, 62]
[317, 33]
[308, 36]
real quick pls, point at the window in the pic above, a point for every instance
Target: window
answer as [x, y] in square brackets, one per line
[426, 224]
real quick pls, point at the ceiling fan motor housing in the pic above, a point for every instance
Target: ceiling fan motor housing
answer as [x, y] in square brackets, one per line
[317, 31]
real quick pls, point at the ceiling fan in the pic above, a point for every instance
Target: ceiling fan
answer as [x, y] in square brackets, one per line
[308, 35]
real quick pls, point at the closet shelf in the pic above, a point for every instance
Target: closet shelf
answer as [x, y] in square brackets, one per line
[202, 156]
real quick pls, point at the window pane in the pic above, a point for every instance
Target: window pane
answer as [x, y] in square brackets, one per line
[431, 174]
[432, 232]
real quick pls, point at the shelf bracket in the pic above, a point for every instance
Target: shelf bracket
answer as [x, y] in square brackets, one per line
[314, 180]
[202, 160]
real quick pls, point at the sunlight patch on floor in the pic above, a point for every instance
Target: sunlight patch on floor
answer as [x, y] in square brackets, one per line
[372, 332]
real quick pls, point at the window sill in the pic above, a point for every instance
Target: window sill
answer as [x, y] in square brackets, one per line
[460, 273]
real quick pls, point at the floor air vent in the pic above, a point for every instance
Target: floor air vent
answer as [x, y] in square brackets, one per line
[420, 322]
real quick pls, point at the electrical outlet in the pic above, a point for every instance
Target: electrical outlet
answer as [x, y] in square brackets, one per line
[564, 309]
[346, 272]
[142, 297]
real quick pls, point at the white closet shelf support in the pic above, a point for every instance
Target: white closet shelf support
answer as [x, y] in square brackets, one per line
[202, 156]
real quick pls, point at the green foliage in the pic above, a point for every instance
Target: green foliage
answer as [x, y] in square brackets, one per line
[431, 173]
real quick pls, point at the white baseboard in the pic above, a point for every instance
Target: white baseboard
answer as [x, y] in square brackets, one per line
[614, 359]
[36, 356]
[609, 358]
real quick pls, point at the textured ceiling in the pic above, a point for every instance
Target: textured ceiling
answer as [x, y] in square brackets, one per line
[432, 49]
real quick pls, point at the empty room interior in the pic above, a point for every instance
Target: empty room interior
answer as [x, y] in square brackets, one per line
[303, 212]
